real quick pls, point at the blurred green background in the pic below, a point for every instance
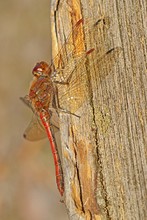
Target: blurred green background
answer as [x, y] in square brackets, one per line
[27, 181]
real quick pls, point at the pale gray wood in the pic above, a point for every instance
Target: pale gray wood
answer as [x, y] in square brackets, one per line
[104, 152]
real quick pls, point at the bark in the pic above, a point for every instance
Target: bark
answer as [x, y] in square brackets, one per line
[104, 150]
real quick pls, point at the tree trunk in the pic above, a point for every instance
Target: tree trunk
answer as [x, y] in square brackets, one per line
[104, 145]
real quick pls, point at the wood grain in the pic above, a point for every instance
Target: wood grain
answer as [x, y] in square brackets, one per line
[105, 150]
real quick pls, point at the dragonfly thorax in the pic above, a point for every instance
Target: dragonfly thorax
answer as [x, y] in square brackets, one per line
[41, 93]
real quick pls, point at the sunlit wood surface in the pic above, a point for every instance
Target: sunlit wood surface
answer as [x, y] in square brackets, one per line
[104, 152]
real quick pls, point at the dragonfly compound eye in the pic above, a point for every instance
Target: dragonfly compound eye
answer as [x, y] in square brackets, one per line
[41, 69]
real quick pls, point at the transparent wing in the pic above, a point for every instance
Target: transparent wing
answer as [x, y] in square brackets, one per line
[27, 101]
[73, 95]
[75, 47]
[69, 65]
[35, 130]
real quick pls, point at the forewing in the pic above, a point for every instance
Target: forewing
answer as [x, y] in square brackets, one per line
[75, 47]
[74, 94]
[69, 64]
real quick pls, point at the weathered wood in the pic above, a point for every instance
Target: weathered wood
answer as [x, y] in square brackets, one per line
[104, 151]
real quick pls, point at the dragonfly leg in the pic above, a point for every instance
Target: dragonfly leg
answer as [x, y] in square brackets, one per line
[68, 112]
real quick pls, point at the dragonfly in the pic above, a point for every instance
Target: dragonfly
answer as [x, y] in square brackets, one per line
[57, 88]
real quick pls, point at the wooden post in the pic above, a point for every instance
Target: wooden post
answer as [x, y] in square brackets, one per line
[104, 150]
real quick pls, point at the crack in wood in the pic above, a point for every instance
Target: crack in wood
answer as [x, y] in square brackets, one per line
[77, 169]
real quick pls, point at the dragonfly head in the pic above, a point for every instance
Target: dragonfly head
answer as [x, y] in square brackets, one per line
[41, 69]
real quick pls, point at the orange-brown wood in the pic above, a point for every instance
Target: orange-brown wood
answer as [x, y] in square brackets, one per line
[104, 151]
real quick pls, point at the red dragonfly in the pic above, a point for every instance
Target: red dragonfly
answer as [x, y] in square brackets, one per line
[55, 88]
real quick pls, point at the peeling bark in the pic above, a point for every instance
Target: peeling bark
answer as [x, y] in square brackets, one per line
[103, 150]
